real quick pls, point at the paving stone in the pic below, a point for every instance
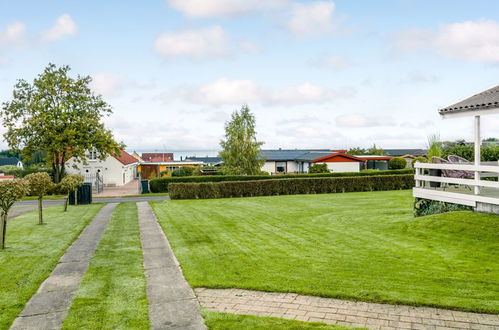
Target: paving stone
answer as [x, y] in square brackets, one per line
[172, 302]
[48, 307]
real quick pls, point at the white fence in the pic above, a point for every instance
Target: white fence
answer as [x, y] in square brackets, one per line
[469, 192]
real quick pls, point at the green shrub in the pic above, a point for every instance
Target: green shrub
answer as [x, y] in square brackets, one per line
[160, 185]
[397, 163]
[183, 171]
[318, 168]
[290, 186]
[419, 159]
[424, 207]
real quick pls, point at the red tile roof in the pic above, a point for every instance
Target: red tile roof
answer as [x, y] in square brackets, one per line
[125, 158]
[157, 156]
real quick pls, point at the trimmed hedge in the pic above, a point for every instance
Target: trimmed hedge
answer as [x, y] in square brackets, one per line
[290, 186]
[160, 185]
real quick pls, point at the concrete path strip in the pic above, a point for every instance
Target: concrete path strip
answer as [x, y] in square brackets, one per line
[172, 303]
[342, 312]
[48, 308]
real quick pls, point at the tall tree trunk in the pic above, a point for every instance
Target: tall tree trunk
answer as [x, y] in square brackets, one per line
[76, 196]
[3, 228]
[40, 210]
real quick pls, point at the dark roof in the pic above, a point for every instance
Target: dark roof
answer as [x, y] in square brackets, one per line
[125, 158]
[8, 161]
[312, 155]
[291, 154]
[488, 99]
[403, 152]
[157, 156]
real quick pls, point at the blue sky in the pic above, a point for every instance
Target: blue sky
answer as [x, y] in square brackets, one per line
[317, 74]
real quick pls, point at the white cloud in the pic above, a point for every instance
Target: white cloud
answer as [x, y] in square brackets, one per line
[235, 92]
[311, 19]
[222, 8]
[360, 120]
[475, 41]
[416, 77]
[206, 42]
[14, 33]
[63, 26]
[331, 61]
[250, 47]
[106, 84]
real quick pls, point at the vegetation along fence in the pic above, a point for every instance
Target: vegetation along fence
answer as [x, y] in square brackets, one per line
[160, 185]
[290, 186]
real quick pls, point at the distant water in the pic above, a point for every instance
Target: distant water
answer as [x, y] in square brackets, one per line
[185, 153]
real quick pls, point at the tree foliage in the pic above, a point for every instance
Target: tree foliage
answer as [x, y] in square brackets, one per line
[318, 168]
[397, 163]
[39, 184]
[375, 151]
[357, 151]
[10, 191]
[70, 184]
[59, 115]
[434, 146]
[240, 149]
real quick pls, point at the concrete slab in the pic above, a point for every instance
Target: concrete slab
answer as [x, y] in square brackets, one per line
[48, 307]
[172, 303]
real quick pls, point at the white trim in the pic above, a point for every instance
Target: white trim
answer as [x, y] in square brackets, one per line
[469, 113]
[466, 182]
[462, 167]
[464, 199]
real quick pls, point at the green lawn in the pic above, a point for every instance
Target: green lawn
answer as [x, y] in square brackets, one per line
[112, 294]
[33, 251]
[364, 246]
[225, 321]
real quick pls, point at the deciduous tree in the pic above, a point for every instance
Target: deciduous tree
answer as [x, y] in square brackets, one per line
[39, 184]
[240, 149]
[10, 191]
[70, 184]
[59, 115]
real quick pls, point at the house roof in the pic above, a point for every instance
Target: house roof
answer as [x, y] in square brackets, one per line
[313, 155]
[157, 156]
[125, 158]
[338, 155]
[374, 157]
[205, 160]
[485, 100]
[405, 152]
[8, 161]
[290, 154]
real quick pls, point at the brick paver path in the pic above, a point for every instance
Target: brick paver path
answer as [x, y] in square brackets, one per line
[343, 312]
[172, 303]
[48, 308]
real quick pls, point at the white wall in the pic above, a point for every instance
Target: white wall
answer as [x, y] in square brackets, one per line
[269, 166]
[111, 169]
[343, 166]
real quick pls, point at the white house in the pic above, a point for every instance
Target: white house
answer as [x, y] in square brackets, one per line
[114, 170]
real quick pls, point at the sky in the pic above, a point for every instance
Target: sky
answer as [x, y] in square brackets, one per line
[316, 74]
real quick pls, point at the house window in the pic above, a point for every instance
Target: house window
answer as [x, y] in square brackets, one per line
[92, 155]
[280, 167]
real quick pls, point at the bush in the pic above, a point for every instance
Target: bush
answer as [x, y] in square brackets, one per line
[183, 171]
[161, 185]
[397, 163]
[22, 172]
[419, 159]
[318, 168]
[290, 186]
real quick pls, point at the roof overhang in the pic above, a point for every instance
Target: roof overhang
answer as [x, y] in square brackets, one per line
[469, 113]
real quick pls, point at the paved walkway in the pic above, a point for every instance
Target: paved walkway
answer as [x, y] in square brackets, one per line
[49, 306]
[131, 188]
[343, 312]
[172, 303]
[145, 198]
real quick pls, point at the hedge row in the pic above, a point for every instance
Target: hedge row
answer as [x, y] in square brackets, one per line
[290, 186]
[160, 185]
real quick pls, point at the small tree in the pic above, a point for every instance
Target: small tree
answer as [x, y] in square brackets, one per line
[39, 184]
[240, 149]
[318, 168]
[10, 191]
[375, 151]
[397, 163]
[70, 184]
[357, 151]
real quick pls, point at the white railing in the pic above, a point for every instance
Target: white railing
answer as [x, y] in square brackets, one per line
[469, 198]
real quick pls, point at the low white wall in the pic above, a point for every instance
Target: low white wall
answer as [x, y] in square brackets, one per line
[343, 166]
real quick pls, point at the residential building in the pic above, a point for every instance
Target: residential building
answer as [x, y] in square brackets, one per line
[12, 161]
[113, 171]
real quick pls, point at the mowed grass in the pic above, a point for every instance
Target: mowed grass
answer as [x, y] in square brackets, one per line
[112, 294]
[225, 321]
[33, 251]
[362, 246]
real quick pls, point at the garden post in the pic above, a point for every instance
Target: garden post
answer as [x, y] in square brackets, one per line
[40, 214]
